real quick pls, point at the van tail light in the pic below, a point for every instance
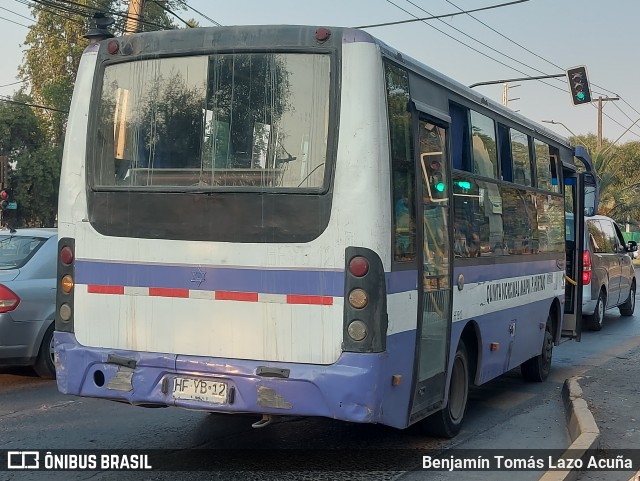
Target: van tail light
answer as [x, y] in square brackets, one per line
[9, 300]
[586, 268]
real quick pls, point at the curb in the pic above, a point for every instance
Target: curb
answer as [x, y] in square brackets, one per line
[582, 427]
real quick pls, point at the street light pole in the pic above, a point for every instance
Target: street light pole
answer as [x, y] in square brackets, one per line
[568, 129]
[600, 100]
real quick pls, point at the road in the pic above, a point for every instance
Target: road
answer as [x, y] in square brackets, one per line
[505, 413]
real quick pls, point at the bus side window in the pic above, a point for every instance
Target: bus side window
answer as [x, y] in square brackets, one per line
[402, 163]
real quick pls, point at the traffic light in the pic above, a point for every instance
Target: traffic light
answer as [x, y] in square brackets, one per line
[434, 176]
[4, 199]
[579, 85]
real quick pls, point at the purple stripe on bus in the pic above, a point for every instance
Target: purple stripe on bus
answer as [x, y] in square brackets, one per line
[317, 283]
[267, 281]
[489, 272]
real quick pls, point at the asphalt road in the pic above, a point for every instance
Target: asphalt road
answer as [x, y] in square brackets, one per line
[505, 413]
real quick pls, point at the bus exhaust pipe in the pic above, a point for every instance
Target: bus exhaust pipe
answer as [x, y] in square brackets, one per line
[264, 422]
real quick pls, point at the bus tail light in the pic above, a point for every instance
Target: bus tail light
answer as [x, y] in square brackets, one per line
[365, 310]
[66, 255]
[9, 300]
[359, 266]
[357, 330]
[66, 285]
[358, 298]
[586, 268]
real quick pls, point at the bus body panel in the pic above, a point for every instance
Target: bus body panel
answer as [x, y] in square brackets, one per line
[260, 322]
[341, 391]
[72, 201]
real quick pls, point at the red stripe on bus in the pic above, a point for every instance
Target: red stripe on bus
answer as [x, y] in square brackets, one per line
[95, 289]
[236, 296]
[297, 299]
[167, 292]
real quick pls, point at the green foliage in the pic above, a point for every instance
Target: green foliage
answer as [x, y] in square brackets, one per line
[19, 129]
[618, 172]
[35, 183]
[55, 44]
[33, 138]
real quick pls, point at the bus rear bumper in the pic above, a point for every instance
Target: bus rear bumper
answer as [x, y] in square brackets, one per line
[344, 390]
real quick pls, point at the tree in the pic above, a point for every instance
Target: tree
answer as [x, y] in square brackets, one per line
[35, 183]
[33, 138]
[617, 169]
[55, 44]
[19, 127]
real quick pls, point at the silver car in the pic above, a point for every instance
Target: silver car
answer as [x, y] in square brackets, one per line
[28, 261]
[609, 279]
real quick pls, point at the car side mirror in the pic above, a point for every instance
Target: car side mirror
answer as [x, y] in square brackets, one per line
[632, 246]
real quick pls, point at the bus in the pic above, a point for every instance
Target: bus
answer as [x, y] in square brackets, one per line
[303, 221]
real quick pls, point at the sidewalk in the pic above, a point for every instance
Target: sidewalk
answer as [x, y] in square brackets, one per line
[612, 392]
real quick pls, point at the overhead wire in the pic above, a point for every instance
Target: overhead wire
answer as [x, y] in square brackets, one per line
[168, 10]
[546, 60]
[17, 14]
[13, 21]
[433, 17]
[84, 10]
[13, 83]
[10, 101]
[201, 14]
[473, 48]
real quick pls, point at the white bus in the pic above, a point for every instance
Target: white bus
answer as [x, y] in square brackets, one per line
[289, 220]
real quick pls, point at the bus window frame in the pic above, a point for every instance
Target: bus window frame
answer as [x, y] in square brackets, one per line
[334, 98]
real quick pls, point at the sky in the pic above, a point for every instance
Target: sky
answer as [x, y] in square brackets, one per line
[532, 38]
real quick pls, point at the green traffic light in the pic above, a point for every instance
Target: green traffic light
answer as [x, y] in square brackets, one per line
[440, 186]
[464, 184]
[580, 96]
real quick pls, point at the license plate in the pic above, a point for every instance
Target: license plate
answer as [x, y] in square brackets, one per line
[200, 390]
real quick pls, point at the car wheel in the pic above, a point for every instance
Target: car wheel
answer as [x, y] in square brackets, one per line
[629, 306]
[537, 368]
[595, 321]
[44, 366]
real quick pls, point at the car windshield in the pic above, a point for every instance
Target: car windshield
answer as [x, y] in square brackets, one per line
[15, 251]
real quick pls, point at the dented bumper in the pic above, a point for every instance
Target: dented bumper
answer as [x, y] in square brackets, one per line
[344, 390]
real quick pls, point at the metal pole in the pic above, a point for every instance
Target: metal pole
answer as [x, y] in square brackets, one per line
[521, 79]
[599, 122]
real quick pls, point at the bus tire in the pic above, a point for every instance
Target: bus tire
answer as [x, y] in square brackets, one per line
[447, 422]
[537, 368]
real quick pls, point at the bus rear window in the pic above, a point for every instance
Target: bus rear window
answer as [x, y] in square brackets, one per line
[239, 121]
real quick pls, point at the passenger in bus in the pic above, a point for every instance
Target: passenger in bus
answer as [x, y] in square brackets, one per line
[474, 244]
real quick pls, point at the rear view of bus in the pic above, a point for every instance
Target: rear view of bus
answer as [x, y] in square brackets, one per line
[203, 262]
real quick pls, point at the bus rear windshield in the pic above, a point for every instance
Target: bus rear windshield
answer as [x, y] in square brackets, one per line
[251, 121]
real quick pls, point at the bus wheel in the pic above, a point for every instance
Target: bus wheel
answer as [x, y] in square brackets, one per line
[537, 368]
[447, 422]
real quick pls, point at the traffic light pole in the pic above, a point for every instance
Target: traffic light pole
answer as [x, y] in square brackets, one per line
[522, 79]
